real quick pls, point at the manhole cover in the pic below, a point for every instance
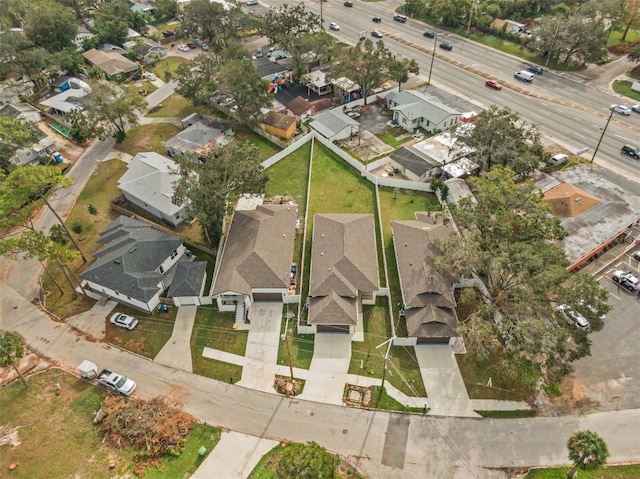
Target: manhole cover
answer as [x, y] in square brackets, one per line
[345, 431]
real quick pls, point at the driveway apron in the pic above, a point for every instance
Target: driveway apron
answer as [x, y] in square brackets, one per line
[329, 366]
[176, 352]
[261, 355]
[442, 379]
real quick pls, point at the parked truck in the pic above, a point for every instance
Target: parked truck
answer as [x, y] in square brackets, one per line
[107, 379]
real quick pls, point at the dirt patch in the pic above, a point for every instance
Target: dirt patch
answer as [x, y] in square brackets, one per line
[367, 146]
[573, 399]
[69, 150]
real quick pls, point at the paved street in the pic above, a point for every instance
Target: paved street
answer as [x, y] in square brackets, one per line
[463, 447]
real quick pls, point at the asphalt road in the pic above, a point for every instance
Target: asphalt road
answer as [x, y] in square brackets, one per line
[573, 113]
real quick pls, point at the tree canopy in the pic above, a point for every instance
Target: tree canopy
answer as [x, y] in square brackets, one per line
[587, 451]
[284, 24]
[112, 22]
[207, 184]
[306, 461]
[501, 138]
[14, 134]
[11, 351]
[507, 239]
[51, 25]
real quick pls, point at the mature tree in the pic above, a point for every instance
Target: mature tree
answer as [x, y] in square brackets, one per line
[451, 11]
[22, 188]
[632, 15]
[71, 61]
[547, 41]
[166, 8]
[366, 64]
[207, 20]
[11, 350]
[81, 127]
[306, 461]
[206, 185]
[507, 240]
[584, 40]
[138, 21]
[501, 138]
[51, 25]
[18, 54]
[203, 80]
[35, 244]
[284, 24]
[399, 70]
[587, 451]
[311, 49]
[14, 134]
[240, 80]
[112, 22]
[113, 109]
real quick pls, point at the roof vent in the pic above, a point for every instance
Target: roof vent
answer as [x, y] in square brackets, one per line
[321, 253]
[131, 250]
[116, 261]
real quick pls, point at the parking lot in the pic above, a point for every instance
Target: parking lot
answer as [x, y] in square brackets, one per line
[609, 379]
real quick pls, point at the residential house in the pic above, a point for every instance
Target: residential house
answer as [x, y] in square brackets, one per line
[146, 50]
[279, 124]
[135, 264]
[83, 35]
[300, 107]
[70, 99]
[197, 138]
[458, 189]
[218, 123]
[12, 91]
[413, 109]
[187, 287]
[415, 164]
[116, 66]
[149, 183]
[22, 111]
[43, 148]
[334, 125]
[256, 260]
[269, 70]
[316, 81]
[427, 295]
[344, 271]
[509, 26]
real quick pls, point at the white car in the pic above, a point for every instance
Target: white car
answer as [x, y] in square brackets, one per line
[626, 279]
[622, 109]
[334, 26]
[636, 108]
[183, 48]
[573, 316]
[152, 76]
[124, 321]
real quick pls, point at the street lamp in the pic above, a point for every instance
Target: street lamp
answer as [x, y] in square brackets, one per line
[604, 130]
[284, 337]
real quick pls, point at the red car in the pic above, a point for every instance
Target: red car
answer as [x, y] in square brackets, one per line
[493, 84]
[348, 4]
[191, 45]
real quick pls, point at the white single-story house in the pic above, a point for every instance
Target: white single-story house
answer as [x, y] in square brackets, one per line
[334, 125]
[413, 109]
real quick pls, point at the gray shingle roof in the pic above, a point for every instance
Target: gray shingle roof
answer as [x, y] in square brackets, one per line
[331, 122]
[192, 138]
[131, 253]
[344, 261]
[188, 279]
[414, 104]
[427, 293]
[258, 250]
[150, 177]
[414, 162]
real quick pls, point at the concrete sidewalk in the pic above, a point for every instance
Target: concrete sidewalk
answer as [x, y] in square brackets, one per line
[235, 456]
[94, 321]
[442, 379]
[176, 352]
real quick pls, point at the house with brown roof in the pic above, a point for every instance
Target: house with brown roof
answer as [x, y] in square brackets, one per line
[427, 295]
[255, 264]
[300, 107]
[279, 124]
[116, 66]
[344, 271]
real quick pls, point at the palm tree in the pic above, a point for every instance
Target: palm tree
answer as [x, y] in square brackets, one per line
[11, 350]
[587, 450]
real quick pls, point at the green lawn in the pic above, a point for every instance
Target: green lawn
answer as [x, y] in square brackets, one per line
[168, 65]
[300, 346]
[214, 329]
[179, 107]
[388, 403]
[290, 176]
[390, 137]
[616, 36]
[148, 338]
[147, 138]
[623, 87]
[266, 148]
[606, 472]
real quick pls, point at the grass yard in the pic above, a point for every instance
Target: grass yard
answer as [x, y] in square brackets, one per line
[390, 137]
[58, 439]
[300, 345]
[290, 176]
[214, 329]
[623, 87]
[388, 403]
[266, 148]
[148, 338]
[616, 36]
[366, 360]
[607, 472]
[147, 138]
[176, 106]
[168, 65]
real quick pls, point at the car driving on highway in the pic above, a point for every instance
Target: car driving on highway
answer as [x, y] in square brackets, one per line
[493, 84]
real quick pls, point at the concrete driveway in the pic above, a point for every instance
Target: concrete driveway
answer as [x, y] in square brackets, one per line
[328, 371]
[176, 352]
[261, 355]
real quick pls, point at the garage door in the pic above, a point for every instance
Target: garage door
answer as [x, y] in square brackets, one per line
[332, 328]
[267, 297]
[433, 340]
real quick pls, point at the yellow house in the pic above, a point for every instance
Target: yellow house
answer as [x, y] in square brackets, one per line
[280, 125]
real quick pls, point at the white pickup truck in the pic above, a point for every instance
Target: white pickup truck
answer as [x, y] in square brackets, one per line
[107, 379]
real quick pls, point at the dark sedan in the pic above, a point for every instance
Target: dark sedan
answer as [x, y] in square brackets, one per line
[377, 19]
[446, 46]
[429, 34]
[376, 34]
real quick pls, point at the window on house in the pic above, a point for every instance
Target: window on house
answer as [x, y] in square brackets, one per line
[174, 254]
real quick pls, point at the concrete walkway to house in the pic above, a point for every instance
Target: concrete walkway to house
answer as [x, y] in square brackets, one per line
[329, 366]
[158, 96]
[261, 354]
[235, 456]
[176, 352]
[442, 379]
[92, 322]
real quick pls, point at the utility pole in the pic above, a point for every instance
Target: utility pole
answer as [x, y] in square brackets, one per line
[470, 16]
[604, 130]
[388, 342]
[433, 56]
[285, 338]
